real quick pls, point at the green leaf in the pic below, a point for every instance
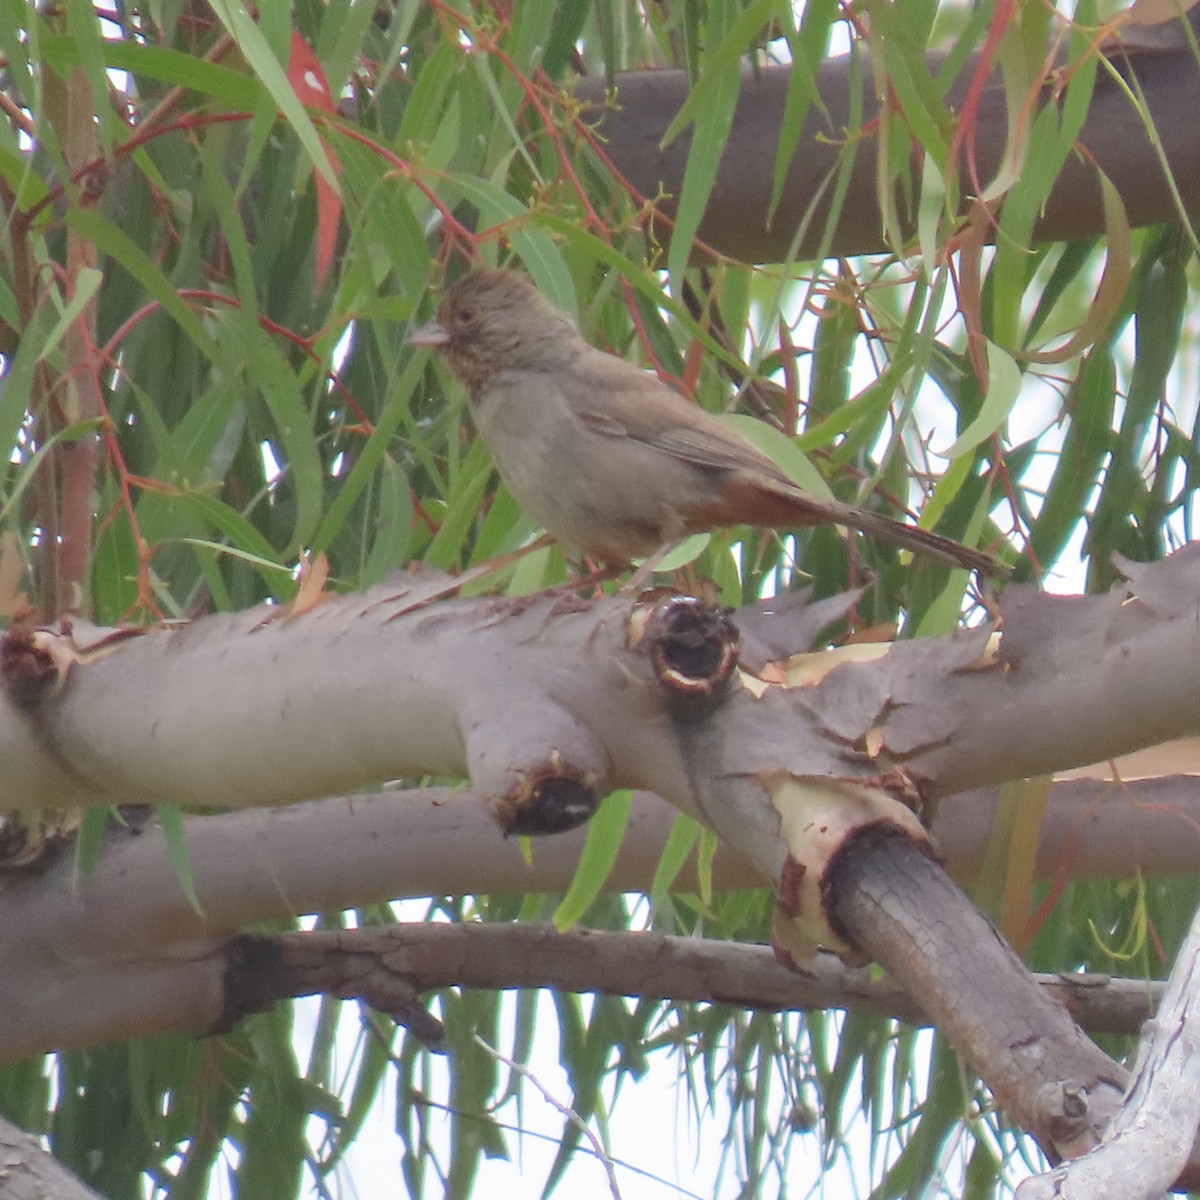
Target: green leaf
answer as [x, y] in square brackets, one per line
[867, 409]
[713, 124]
[28, 471]
[393, 524]
[271, 378]
[946, 489]
[274, 572]
[16, 386]
[903, 65]
[364, 1093]
[684, 552]
[90, 839]
[170, 819]
[1003, 388]
[536, 570]
[541, 257]
[931, 214]
[342, 40]
[838, 331]
[233, 89]
[605, 833]
[87, 284]
[712, 88]
[464, 502]
[704, 860]
[569, 18]
[266, 66]
[782, 451]
[22, 41]
[676, 851]
[90, 224]
[807, 49]
[1090, 402]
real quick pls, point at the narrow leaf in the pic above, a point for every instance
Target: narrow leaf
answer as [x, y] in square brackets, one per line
[266, 66]
[605, 833]
[170, 818]
[1003, 387]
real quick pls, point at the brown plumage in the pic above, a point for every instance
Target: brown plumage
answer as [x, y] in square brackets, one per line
[609, 459]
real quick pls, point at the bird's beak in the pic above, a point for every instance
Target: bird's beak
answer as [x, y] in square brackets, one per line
[433, 333]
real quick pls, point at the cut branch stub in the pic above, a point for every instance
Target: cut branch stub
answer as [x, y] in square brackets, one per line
[541, 769]
[818, 819]
[30, 670]
[36, 839]
[693, 650]
[551, 798]
[788, 808]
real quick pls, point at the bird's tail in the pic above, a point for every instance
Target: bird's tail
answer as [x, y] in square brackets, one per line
[748, 498]
[919, 540]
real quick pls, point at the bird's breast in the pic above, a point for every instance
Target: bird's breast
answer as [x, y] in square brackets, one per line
[602, 494]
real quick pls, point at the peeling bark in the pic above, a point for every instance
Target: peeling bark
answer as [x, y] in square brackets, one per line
[254, 709]
[260, 707]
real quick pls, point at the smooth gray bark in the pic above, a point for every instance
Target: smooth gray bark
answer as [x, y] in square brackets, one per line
[1115, 136]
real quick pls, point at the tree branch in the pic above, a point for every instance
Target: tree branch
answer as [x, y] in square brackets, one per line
[27, 1172]
[375, 963]
[906, 914]
[1115, 139]
[245, 709]
[71, 943]
[1152, 1135]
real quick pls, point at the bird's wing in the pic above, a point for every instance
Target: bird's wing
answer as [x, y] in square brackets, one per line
[614, 398]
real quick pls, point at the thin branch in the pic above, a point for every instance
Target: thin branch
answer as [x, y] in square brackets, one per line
[565, 1110]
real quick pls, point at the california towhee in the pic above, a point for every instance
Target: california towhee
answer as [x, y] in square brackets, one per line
[606, 457]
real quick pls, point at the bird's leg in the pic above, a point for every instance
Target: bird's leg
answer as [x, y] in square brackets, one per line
[594, 575]
[493, 566]
[647, 568]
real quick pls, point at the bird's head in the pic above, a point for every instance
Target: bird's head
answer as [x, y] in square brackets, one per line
[494, 320]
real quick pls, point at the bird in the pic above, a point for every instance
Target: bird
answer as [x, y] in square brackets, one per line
[605, 456]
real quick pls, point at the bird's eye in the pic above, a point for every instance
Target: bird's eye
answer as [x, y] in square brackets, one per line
[466, 315]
